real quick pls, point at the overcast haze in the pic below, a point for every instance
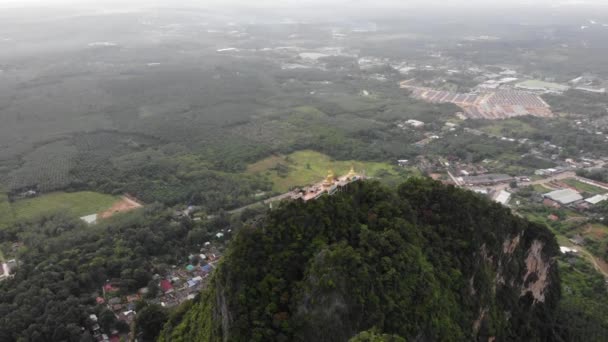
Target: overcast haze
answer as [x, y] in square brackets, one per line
[291, 3]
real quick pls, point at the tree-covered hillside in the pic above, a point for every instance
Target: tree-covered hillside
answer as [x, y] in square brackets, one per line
[424, 262]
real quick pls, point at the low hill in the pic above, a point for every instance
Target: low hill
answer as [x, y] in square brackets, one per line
[424, 262]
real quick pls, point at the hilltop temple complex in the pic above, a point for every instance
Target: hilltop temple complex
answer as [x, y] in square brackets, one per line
[330, 185]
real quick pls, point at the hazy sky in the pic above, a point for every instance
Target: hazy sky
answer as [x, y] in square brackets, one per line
[117, 4]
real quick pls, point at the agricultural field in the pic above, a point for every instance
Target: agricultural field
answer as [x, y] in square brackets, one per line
[76, 203]
[584, 187]
[308, 167]
[45, 169]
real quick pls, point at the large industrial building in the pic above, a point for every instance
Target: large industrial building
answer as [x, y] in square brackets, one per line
[564, 196]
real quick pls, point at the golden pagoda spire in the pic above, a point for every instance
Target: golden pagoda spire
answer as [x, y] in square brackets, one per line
[329, 180]
[351, 174]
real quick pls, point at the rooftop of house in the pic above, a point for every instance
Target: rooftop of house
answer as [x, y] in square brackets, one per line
[597, 199]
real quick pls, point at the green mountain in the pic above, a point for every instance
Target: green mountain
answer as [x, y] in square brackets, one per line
[425, 262]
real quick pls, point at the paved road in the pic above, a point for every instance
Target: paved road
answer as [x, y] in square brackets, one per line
[266, 201]
[560, 176]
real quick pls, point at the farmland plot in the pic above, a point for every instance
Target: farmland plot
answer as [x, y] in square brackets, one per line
[46, 168]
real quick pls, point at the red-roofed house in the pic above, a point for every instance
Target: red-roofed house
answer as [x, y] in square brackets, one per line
[166, 286]
[110, 288]
[100, 300]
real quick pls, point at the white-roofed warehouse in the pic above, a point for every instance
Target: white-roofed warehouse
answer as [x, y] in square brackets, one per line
[564, 196]
[597, 199]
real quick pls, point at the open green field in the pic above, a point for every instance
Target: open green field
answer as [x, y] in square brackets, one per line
[308, 167]
[537, 84]
[509, 127]
[541, 189]
[75, 203]
[584, 187]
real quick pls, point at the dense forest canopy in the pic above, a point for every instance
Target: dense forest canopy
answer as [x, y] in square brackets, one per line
[64, 264]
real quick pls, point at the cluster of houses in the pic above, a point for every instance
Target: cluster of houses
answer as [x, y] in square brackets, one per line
[177, 286]
[97, 332]
[183, 284]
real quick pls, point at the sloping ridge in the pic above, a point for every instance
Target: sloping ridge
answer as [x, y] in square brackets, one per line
[426, 262]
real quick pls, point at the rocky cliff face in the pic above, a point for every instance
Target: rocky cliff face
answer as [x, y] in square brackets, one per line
[536, 285]
[426, 262]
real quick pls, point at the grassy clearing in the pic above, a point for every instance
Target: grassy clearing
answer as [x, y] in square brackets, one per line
[308, 167]
[584, 187]
[596, 231]
[541, 189]
[542, 84]
[509, 127]
[76, 203]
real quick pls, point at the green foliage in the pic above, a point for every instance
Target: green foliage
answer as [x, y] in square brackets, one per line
[149, 322]
[420, 262]
[307, 167]
[66, 262]
[45, 169]
[534, 163]
[579, 102]
[6, 210]
[372, 336]
[160, 176]
[582, 311]
[472, 148]
[512, 128]
[193, 321]
[600, 175]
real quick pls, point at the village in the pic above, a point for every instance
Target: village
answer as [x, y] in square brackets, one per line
[169, 289]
